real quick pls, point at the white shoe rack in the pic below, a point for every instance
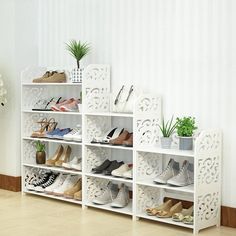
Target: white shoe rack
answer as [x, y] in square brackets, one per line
[148, 158]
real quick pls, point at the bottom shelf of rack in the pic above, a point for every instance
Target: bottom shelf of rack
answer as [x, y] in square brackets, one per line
[164, 220]
[53, 197]
[126, 210]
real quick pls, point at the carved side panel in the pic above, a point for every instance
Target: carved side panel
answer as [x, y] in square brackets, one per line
[148, 104]
[149, 165]
[147, 197]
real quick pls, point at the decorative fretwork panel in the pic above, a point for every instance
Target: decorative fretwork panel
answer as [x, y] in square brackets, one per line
[147, 197]
[149, 165]
[207, 206]
[148, 104]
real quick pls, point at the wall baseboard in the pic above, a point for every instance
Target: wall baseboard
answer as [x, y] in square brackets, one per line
[228, 216]
[10, 183]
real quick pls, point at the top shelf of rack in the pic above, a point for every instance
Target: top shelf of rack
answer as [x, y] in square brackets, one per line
[175, 152]
[113, 114]
[51, 84]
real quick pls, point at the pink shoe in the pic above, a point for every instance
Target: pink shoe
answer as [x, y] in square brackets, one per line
[57, 106]
[73, 106]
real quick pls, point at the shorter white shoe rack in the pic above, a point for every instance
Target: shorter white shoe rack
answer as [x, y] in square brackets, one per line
[148, 158]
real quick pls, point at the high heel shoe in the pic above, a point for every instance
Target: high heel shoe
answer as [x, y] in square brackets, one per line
[56, 156]
[169, 213]
[165, 206]
[64, 157]
[43, 129]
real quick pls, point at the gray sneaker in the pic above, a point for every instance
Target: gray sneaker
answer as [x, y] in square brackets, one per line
[171, 170]
[122, 198]
[185, 176]
[108, 195]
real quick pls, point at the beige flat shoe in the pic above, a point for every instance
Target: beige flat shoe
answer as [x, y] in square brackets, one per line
[165, 206]
[64, 157]
[169, 213]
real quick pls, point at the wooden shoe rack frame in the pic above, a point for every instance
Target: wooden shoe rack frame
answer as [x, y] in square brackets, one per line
[146, 155]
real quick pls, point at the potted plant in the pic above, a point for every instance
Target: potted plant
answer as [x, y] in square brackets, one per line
[78, 50]
[185, 128]
[167, 130]
[40, 153]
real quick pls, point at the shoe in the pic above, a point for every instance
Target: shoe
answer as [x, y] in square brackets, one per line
[43, 129]
[50, 181]
[76, 161]
[171, 170]
[165, 206]
[60, 134]
[69, 193]
[57, 107]
[129, 141]
[114, 165]
[115, 133]
[51, 133]
[108, 195]
[70, 107]
[74, 135]
[68, 183]
[122, 198]
[78, 195]
[184, 177]
[120, 171]
[128, 174]
[120, 139]
[52, 77]
[31, 177]
[178, 217]
[64, 157]
[169, 213]
[77, 166]
[58, 182]
[41, 180]
[102, 167]
[56, 156]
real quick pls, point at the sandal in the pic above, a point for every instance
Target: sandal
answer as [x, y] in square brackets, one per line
[43, 128]
[153, 211]
[188, 220]
[165, 213]
[178, 217]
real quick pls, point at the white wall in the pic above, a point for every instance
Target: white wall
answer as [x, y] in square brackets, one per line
[18, 49]
[181, 49]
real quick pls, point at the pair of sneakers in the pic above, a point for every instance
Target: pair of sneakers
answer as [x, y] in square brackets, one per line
[74, 135]
[175, 176]
[118, 198]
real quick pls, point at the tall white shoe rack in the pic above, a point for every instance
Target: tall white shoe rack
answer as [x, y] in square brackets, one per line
[146, 155]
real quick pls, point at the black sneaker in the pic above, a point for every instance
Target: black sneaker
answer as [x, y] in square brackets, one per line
[114, 165]
[49, 182]
[102, 167]
[43, 180]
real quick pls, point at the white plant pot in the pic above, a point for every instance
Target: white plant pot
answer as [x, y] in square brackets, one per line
[166, 142]
[76, 75]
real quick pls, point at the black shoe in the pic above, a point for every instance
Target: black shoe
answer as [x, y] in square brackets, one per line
[102, 167]
[114, 165]
[43, 180]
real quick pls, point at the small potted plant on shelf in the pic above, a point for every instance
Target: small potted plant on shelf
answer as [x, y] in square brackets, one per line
[78, 50]
[167, 130]
[40, 153]
[185, 128]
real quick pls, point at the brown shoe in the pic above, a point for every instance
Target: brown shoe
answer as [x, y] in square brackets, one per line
[128, 142]
[69, 193]
[40, 80]
[119, 140]
[56, 78]
[78, 195]
[56, 156]
[64, 157]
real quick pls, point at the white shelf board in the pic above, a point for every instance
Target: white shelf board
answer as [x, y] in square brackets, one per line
[62, 141]
[175, 152]
[113, 114]
[109, 177]
[53, 197]
[51, 84]
[126, 210]
[57, 169]
[164, 220]
[150, 183]
[109, 146]
[53, 112]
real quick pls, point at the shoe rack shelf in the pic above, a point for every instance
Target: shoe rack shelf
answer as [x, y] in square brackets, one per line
[52, 84]
[147, 157]
[53, 112]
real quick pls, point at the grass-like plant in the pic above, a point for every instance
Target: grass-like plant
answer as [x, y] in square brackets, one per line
[167, 128]
[185, 126]
[78, 50]
[40, 147]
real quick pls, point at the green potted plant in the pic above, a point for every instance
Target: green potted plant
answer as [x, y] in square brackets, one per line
[167, 129]
[185, 128]
[78, 50]
[40, 153]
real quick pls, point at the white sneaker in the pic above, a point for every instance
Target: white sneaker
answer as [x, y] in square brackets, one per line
[74, 135]
[77, 166]
[128, 174]
[171, 170]
[75, 161]
[30, 177]
[185, 176]
[108, 195]
[120, 171]
[58, 182]
[122, 199]
[68, 183]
